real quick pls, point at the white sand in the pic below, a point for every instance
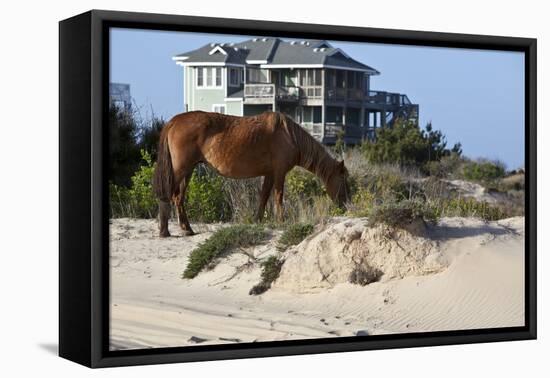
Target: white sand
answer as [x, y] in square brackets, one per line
[468, 274]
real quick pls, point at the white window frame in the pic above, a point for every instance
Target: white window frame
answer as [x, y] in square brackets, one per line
[214, 106]
[205, 71]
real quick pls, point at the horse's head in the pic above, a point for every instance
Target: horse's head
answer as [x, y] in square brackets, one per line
[337, 185]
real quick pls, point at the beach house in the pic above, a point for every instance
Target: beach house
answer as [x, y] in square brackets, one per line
[321, 87]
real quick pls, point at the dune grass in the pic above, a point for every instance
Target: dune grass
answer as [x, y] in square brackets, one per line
[220, 244]
[270, 272]
[294, 234]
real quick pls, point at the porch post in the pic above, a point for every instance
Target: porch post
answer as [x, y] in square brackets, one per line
[323, 94]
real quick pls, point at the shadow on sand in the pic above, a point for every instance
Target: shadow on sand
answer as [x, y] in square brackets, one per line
[458, 232]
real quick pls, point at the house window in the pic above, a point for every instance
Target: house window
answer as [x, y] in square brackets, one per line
[317, 77]
[209, 77]
[312, 114]
[200, 77]
[310, 77]
[288, 78]
[255, 75]
[218, 76]
[218, 108]
[351, 79]
[234, 77]
[353, 116]
[340, 79]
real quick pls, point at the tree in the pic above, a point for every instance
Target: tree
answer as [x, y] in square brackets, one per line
[407, 144]
[124, 152]
[150, 135]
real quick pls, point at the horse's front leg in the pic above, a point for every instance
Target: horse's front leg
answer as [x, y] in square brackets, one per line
[180, 206]
[264, 196]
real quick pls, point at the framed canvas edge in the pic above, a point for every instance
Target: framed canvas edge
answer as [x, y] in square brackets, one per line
[98, 290]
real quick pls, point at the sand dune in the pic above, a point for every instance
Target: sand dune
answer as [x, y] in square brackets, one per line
[462, 274]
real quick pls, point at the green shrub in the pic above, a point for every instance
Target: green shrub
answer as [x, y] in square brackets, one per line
[206, 200]
[387, 185]
[271, 268]
[402, 214]
[448, 167]
[221, 243]
[138, 201]
[361, 203]
[141, 191]
[483, 171]
[301, 184]
[294, 234]
[406, 143]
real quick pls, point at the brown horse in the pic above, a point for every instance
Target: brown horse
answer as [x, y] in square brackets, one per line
[268, 145]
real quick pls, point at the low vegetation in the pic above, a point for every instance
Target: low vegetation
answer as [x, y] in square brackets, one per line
[469, 207]
[364, 275]
[206, 201]
[220, 244]
[483, 171]
[401, 214]
[270, 272]
[136, 201]
[294, 234]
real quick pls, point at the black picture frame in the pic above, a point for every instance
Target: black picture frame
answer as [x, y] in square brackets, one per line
[83, 196]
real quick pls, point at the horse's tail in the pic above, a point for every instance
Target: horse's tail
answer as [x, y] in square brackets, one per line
[163, 180]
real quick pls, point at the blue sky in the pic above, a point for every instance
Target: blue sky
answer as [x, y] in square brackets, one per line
[475, 97]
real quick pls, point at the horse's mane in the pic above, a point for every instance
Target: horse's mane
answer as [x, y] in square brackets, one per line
[312, 155]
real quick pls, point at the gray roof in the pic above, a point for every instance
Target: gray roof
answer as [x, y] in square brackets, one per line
[274, 51]
[259, 48]
[237, 94]
[201, 55]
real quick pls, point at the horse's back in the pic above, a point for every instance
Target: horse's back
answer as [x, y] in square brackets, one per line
[235, 146]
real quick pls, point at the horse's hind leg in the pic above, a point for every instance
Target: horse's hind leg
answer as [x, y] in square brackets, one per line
[278, 192]
[164, 215]
[180, 206]
[264, 196]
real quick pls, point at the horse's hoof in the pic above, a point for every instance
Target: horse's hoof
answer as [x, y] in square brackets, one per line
[164, 234]
[188, 233]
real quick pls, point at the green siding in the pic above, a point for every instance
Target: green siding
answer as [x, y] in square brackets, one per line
[233, 108]
[201, 98]
[205, 98]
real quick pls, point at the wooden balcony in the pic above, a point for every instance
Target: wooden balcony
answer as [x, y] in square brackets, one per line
[343, 94]
[387, 98]
[267, 93]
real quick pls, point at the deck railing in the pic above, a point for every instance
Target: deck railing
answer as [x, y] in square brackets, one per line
[267, 91]
[387, 98]
[259, 90]
[288, 93]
